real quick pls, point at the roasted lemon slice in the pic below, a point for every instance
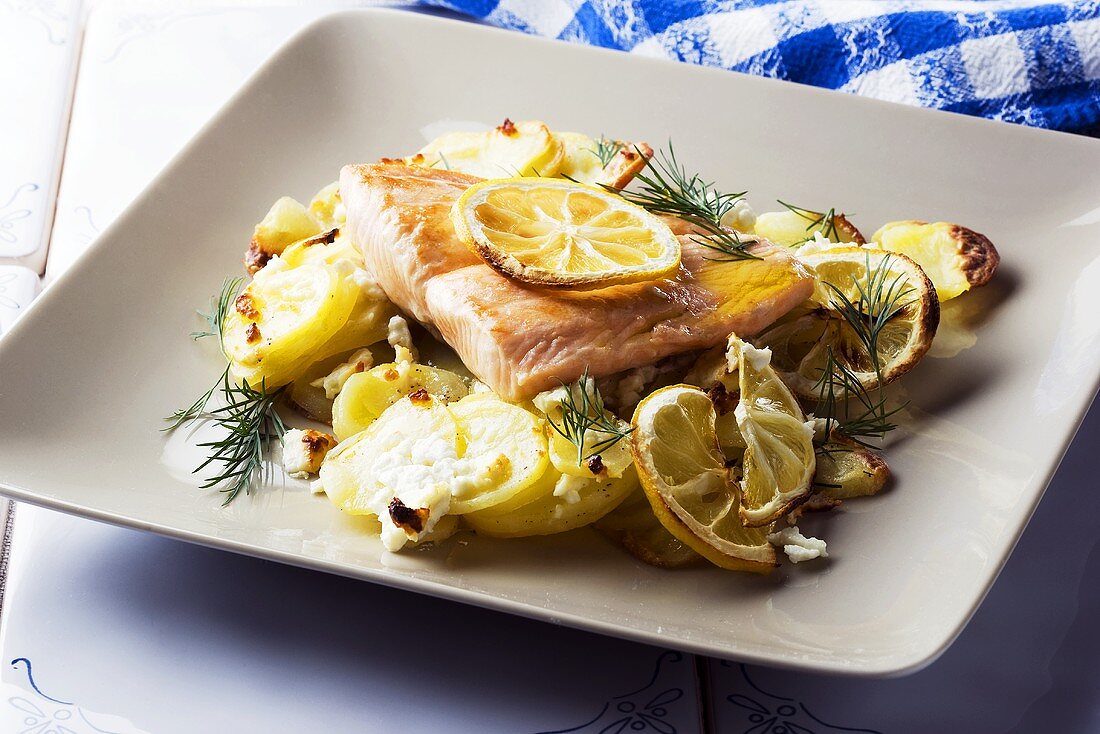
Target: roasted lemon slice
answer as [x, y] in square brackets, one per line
[886, 295]
[684, 475]
[561, 233]
[779, 461]
[954, 257]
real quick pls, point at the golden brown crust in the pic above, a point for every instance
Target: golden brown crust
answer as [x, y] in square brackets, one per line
[408, 519]
[816, 503]
[626, 164]
[848, 231]
[255, 258]
[979, 256]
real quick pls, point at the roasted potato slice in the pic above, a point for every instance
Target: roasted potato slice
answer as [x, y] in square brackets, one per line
[287, 222]
[955, 258]
[795, 226]
[846, 469]
[634, 526]
[601, 161]
[510, 149]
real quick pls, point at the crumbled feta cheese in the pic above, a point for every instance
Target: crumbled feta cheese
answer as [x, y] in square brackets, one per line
[551, 400]
[758, 358]
[632, 384]
[477, 386]
[819, 243]
[303, 451]
[569, 488]
[797, 546]
[740, 217]
[411, 482]
[334, 381]
[398, 337]
[368, 284]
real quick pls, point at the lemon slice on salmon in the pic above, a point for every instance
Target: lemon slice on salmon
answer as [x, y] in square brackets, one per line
[886, 295]
[553, 232]
[685, 478]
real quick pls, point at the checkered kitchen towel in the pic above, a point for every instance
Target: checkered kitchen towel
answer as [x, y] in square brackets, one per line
[1027, 61]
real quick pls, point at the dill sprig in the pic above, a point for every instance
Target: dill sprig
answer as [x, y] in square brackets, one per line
[249, 419]
[878, 301]
[847, 405]
[251, 424]
[219, 308]
[196, 408]
[667, 188]
[824, 223]
[606, 150]
[843, 400]
[583, 411]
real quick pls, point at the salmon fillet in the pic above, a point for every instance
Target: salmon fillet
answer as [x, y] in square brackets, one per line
[521, 340]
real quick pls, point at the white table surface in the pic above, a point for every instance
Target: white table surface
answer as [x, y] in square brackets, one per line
[138, 633]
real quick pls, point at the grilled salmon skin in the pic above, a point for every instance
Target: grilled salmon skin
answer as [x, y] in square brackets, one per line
[521, 340]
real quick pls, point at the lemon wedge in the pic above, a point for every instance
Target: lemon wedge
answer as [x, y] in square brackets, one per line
[779, 461]
[887, 293]
[688, 485]
[554, 232]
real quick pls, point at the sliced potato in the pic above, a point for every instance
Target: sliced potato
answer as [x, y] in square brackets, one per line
[794, 226]
[287, 222]
[505, 447]
[847, 469]
[582, 159]
[555, 503]
[327, 247]
[367, 394]
[955, 258]
[278, 325]
[510, 149]
[400, 469]
[310, 400]
[327, 207]
[634, 526]
[366, 324]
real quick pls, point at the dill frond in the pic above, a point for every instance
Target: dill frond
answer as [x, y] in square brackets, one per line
[583, 411]
[606, 150]
[667, 188]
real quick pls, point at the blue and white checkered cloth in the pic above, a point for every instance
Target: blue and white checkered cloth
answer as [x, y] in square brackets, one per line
[1027, 61]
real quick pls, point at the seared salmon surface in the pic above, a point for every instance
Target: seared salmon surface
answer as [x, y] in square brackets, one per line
[521, 340]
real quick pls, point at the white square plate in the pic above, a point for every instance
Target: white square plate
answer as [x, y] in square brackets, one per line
[87, 374]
